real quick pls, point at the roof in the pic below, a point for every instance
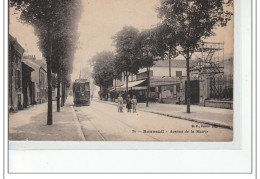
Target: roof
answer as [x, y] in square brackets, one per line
[81, 81]
[31, 63]
[27, 67]
[16, 45]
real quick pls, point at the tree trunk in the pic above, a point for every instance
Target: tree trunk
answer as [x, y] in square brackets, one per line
[188, 81]
[62, 89]
[126, 82]
[49, 114]
[58, 90]
[63, 93]
[48, 61]
[148, 86]
[170, 66]
[100, 95]
[115, 84]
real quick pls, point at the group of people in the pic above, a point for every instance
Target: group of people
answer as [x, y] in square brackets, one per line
[130, 103]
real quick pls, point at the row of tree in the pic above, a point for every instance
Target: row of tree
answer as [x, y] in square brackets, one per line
[55, 25]
[184, 23]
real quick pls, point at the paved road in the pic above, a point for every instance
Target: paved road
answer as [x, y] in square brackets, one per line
[102, 122]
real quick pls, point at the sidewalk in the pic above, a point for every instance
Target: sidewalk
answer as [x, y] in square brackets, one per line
[208, 115]
[31, 124]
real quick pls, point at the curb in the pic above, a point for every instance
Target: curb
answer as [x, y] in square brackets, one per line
[192, 119]
[76, 120]
[213, 123]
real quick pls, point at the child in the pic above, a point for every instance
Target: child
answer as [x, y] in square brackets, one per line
[120, 103]
[134, 103]
[128, 103]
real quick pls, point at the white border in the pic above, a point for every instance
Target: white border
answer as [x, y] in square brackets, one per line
[173, 161]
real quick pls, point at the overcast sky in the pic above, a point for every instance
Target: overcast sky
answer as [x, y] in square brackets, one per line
[100, 20]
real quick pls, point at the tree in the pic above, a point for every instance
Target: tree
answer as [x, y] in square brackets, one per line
[149, 51]
[117, 72]
[190, 20]
[166, 39]
[63, 52]
[126, 49]
[51, 19]
[103, 70]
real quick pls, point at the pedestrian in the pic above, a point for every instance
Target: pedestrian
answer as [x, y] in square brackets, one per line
[128, 103]
[134, 103]
[120, 103]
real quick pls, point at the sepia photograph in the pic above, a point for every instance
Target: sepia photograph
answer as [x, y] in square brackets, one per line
[121, 70]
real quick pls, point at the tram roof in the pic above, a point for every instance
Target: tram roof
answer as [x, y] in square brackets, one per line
[81, 80]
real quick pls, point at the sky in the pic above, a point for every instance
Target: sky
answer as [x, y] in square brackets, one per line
[102, 19]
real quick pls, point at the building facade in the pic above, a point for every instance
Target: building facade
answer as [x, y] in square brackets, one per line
[39, 78]
[15, 94]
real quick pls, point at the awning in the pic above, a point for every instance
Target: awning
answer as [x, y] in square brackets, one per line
[132, 85]
[162, 83]
[139, 88]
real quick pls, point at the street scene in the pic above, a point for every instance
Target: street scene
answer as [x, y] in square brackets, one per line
[134, 70]
[92, 124]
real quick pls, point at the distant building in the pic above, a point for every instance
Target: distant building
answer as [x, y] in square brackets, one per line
[163, 87]
[15, 95]
[161, 68]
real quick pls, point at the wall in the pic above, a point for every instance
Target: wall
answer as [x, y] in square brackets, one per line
[15, 93]
[219, 104]
[164, 71]
[204, 88]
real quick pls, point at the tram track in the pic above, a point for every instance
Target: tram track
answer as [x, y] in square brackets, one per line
[110, 116]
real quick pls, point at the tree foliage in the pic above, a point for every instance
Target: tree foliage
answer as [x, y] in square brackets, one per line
[55, 25]
[103, 69]
[149, 48]
[167, 41]
[54, 21]
[126, 49]
[190, 20]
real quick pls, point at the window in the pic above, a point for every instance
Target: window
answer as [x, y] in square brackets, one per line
[178, 73]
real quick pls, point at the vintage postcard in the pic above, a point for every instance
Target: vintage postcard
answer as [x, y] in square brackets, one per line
[121, 70]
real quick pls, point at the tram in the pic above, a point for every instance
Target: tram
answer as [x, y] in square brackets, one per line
[81, 92]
